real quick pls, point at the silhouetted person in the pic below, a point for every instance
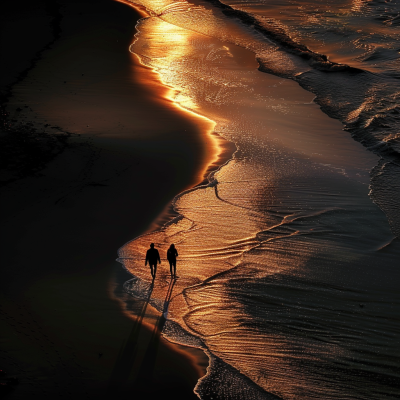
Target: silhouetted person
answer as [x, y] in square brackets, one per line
[171, 256]
[152, 257]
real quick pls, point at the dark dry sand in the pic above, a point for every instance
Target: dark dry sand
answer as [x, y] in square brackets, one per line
[66, 325]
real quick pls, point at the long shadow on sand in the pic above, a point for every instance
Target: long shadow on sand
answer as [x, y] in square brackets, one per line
[129, 351]
[145, 375]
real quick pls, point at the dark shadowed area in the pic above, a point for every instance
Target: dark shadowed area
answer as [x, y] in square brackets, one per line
[91, 156]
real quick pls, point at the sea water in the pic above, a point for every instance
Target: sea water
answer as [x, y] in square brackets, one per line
[289, 257]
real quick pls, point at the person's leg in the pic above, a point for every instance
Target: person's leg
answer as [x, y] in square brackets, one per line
[152, 270]
[174, 265]
[170, 267]
[155, 270]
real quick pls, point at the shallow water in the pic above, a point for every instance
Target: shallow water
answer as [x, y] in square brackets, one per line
[287, 268]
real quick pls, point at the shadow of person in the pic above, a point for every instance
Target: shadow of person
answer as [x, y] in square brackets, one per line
[145, 375]
[128, 351]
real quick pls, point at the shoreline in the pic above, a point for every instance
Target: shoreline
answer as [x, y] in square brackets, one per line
[222, 149]
[277, 169]
[282, 224]
[61, 264]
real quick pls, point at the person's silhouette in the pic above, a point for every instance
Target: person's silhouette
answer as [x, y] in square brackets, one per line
[152, 257]
[171, 256]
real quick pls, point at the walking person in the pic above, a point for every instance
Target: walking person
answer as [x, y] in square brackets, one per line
[152, 257]
[171, 256]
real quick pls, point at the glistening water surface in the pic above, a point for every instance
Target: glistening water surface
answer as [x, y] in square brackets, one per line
[288, 258]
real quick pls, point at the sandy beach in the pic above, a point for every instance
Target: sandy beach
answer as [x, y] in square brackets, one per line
[65, 321]
[233, 131]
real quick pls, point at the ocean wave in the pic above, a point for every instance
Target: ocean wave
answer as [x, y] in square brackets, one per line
[338, 97]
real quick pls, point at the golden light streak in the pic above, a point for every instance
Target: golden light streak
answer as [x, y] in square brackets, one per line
[177, 43]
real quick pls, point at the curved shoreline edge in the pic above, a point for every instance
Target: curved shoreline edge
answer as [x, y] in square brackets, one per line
[347, 71]
[223, 151]
[59, 268]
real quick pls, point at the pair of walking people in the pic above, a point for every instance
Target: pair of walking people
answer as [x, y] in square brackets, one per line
[153, 257]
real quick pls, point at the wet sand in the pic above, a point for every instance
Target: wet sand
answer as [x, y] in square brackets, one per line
[64, 318]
